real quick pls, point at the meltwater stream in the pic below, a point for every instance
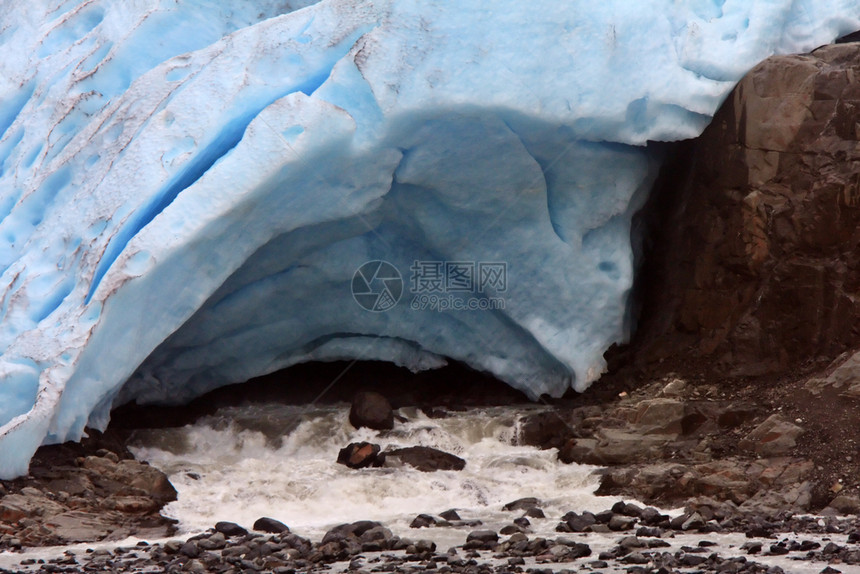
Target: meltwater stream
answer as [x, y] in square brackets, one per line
[280, 461]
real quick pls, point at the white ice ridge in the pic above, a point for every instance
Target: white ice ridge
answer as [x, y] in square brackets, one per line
[188, 187]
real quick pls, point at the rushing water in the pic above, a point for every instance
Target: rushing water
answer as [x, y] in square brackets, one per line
[280, 461]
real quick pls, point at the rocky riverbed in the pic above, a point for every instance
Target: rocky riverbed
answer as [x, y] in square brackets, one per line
[625, 538]
[750, 495]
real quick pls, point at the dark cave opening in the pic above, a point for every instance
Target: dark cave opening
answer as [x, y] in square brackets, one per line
[453, 387]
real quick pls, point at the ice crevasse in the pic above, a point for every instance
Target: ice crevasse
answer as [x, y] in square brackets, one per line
[188, 187]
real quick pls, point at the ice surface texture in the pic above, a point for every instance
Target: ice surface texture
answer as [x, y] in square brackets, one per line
[187, 188]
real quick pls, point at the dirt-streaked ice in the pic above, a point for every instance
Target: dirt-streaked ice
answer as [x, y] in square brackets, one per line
[187, 188]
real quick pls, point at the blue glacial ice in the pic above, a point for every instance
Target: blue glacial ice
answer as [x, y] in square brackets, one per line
[188, 188]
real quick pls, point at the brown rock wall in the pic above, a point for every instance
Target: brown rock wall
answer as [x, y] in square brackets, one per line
[757, 269]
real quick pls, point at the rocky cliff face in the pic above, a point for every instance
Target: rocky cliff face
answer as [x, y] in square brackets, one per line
[757, 269]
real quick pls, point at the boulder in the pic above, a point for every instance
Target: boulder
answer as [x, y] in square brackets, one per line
[361, 455]
[450, 514]
[618, 522]
[351, 530]
[230, 529]
[481, 539]
[574, 522]
[424, 458]
[522, 504]
[372, 410]
[271, 525]
[423, 521]
[549, 429]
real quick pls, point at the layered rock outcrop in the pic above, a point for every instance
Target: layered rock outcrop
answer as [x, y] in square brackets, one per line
[84, 493]
[757, 269]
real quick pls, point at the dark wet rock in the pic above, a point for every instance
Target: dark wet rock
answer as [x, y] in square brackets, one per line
[230, 529]
[522, 522]
[759, 531]
[778, 549]
[631, 542]
[619, 522]
[572, 451]
[635, 558]
[266, 524]
[435, 413]
[422, 521]
[604, 516]
[575, 522]
[577, 549]
[190, 550]
[522, 504]
[535, 512]
[361, 455]
[693, 522]
[350, 530]
[649, 531]
[627, 509]
[549, 429]
[372, 410]
[692, 560]
[481, 539]
[376, 533]
[214, 542]
[424, 458]
[450, 515]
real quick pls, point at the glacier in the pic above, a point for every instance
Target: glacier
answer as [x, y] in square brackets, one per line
[188, 188]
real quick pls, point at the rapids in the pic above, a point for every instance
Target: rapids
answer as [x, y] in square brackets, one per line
[280, 461]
